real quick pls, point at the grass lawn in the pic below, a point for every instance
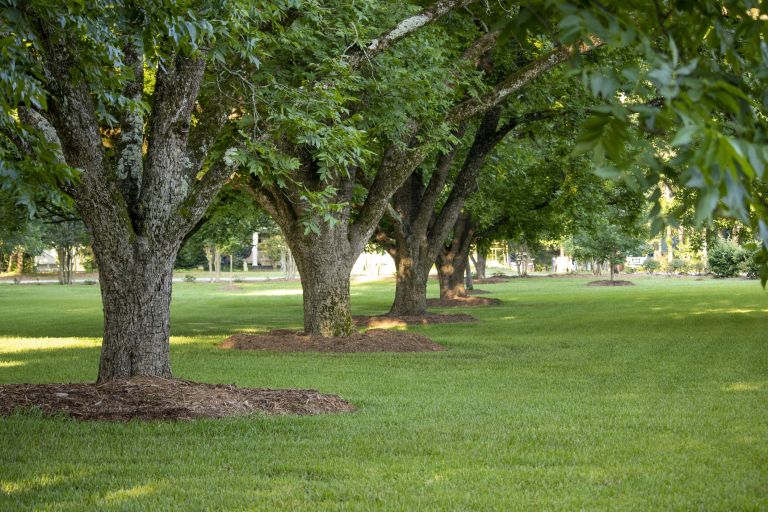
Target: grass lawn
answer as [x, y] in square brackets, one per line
[566, 397]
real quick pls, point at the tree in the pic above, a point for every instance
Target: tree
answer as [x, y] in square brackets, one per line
[375, 116]
[689, 110]
[126, 104]
[67, 236]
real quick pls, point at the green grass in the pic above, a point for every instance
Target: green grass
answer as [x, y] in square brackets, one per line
[567, 397]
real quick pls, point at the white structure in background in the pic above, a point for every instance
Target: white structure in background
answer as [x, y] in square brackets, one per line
[374, 264]
[636, 261]
[563, 265]
[48, 260]
[255, 251]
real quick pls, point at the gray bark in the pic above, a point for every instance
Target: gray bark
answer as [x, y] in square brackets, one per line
[139, 204]
[452, 260]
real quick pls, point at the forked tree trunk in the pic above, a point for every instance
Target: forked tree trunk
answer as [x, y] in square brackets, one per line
[452, 260]
[137, 320]
[410, 286]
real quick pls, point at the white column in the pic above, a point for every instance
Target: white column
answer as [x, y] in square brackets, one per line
[255, 250]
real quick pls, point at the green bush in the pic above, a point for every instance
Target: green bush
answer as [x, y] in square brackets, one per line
[189, 278]
[678, 266]
[651, 265]
[726, 259]
[751, 266]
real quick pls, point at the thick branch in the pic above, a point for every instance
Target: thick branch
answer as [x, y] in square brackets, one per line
[404, 28]
[515, 82]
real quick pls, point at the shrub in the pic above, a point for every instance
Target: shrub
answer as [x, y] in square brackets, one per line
[89, 282]
[651, 265]
[237, 280]
[750, 266]
[678, 266]
[726, 259]
[189, 278]
[697, 266]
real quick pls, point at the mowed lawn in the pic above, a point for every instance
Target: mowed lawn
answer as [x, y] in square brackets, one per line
[566, 397]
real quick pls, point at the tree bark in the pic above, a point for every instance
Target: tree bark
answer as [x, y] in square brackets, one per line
[325, 264]
[468, 276]
[480, 263]
[136, 303]
[452, 260]
[410, 285]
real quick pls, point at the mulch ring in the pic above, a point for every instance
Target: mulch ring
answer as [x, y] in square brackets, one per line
[153, 398]
[373, 340]
[608, 282]
[386, 321]
[493, 280]
[477, 292]
[459, 302]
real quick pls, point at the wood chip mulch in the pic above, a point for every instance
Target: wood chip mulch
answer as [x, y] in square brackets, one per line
[493, 280]
[386, 321]
[152, 398]
[477, 292]
[460, 302]
[608, 282]
[373, 340]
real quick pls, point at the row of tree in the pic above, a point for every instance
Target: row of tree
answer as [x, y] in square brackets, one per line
[332, 115]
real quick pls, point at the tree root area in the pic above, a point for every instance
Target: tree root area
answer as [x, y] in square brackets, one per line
[386, 321]
[494, 280]
[477, 292]
[373, 340]
[460, 302]
[152, 398]
[608, 282]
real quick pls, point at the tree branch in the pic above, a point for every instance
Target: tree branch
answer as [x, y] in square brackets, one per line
[359, 56]
[517, 81]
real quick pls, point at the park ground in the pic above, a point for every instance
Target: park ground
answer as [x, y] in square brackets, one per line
[649, 397]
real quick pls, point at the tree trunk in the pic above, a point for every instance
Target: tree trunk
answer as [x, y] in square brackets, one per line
[452, 260]
[217, 263]
[61, 255]
[20, 261]
[325, 263]
[137, 322]
[480, 264]
[468, 276]
[410, 285]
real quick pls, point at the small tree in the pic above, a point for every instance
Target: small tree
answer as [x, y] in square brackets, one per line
[725, 258]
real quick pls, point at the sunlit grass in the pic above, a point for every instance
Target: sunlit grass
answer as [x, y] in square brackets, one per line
[567, 397]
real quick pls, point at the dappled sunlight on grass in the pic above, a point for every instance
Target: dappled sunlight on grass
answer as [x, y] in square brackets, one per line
[729, 311]
[14, 344]
[273, 293]
[509, 318]
[11, 487]
[743, 386]
[11, 364]
[121, 495]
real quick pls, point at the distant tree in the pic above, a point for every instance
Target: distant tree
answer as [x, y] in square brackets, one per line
[67, 237]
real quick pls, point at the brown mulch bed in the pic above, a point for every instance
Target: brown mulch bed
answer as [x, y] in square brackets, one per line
[152, 398]
[493, 280]
[462, 302]
[477, 292]
[373, 340]
[385, 321]
[608, 282]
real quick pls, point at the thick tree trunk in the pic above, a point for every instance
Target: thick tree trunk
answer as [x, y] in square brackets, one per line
[324, 263]
[480, 264]
[450, 272]
[468, 276]
[137, 322]
[452, 260]
[411, 285]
